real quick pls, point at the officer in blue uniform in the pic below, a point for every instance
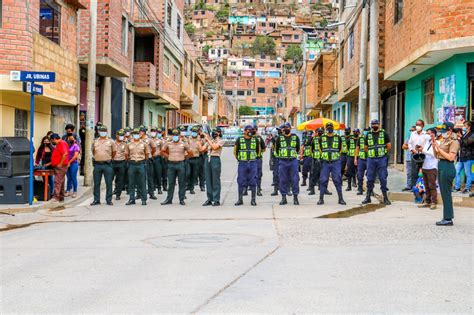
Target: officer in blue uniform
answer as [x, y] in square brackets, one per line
[345, 138]
[316, 162]
[360, 161]
[330, 146]
[276, 162]
[261, 144]
[288, 146]
[246, 150]
[350, 165]
[377, 146]
[307, 158]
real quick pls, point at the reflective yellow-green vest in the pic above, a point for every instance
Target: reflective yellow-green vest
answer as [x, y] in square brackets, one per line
[288, 152]
[247, 153]
[352, 146]
[316, 152]
[330, 153]
[344, 145]
[378, 149]
[362, 153]
[307, 149]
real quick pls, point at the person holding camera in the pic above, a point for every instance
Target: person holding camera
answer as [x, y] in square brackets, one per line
[430, 171]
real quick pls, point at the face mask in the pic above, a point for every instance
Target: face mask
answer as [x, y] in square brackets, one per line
[160, 135]
[194, 134]
[121, 138]
[71, 142]
[356, 135]
[103, 134]
[175, 138]
[419, 128]
[182, 133]
[420, 174]
[153, 134]
[214, 135]
[348, 133]
[375, 128]
[136, 137]
[365, 133]
[320, 134]
[464, 130]
[287, 131]
[330, 130]
[69, 133]
[250, 133]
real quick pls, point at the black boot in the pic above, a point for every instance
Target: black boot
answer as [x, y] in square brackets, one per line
[360, 191]
[253, 202]
[246, 192]
[311, 191]
[321, 200]
[304, 182]
[385, 199]
[295, 200]
[327, 192]
[283, 200]
[241, 200]
[341, 200]
[349, 184]
[367, 197]
[275, 191]
[259, 191]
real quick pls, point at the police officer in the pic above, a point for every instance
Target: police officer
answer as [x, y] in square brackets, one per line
[212, 167]
[315, 160]
[246, 150]
[149, 172]
[261, 144]
[137, 153]
[193, 164]
[165, 136]
[119, 163]
[156, 137]
[330, 146]
[377, 146]
[288, 146]
[103, 152]
[276, 133]
[345, 138]
[360, 160]
[351, 142]
[307, 158]
[128, 139]
[175, 151]
[202, 158]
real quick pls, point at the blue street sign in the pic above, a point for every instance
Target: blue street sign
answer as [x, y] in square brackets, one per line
[33, 88]
[32, 76]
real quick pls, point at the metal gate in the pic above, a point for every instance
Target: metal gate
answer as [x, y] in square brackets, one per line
[61, 116]
[137, 111]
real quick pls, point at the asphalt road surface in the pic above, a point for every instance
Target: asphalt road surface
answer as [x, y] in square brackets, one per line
[266, 259]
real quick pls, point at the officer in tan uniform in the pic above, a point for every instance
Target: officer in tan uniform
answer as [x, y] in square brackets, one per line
[137, 153]
[103, 152]
[194, 163]
[212, 167]
[149, 162]
[119, 163]
[175, 151]
[156, 138]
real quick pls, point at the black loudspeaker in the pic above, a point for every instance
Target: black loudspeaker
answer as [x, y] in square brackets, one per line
[14, 156]
[14, 190]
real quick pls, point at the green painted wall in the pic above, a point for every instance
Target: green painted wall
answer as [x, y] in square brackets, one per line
[156, 110]
[457, 66]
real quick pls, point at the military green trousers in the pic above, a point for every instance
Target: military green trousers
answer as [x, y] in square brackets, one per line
[176, 170]
[212, 170]
[136, 179]
[119, 167]
[192, 172]
[105, 169]
[158, 170]
[446, 174]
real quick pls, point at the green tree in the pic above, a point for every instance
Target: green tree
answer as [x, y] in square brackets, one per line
[200, 5]
[246, 111]
[264, 45]
[222, 14]
[294, 53]
[205, 49]
[209, 33]
[189, 28]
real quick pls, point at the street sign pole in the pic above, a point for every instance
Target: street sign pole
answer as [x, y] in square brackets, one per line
[32, 132]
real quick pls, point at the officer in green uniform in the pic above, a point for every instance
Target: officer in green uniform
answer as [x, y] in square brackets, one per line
[203, 158]
[157, 138]
[119, 163]
[127, 139]
[164, 160]
[149, 162]
[137, 153]
[212, 166]
[176, 151]
[103, 152]
[193, 164]
[351, 141]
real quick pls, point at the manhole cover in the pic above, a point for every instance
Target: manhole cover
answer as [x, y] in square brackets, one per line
[203, 240]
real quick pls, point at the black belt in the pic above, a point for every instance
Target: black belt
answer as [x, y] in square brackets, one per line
[103, 162]
[119, 161]
[215, 157]
[324, 161]
[136, 162]
[288, 159]
[446, 161]
[157, 157]
[248, 161]
[175, 162]
[194, 158]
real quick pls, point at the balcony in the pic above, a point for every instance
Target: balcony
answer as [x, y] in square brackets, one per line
[144, 75]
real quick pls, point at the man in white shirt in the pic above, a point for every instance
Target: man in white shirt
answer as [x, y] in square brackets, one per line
[417, 141]
[430, 171]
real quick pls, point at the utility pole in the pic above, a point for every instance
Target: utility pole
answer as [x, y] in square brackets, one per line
[303, 92]
[216, 107]
[363, 68]
[91, 73]
[374, 60]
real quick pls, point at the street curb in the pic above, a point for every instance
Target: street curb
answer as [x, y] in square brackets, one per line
[457, 200]
[50, 205]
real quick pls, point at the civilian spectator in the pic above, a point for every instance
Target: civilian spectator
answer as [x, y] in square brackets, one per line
[417, 141]
[43, 155]
[430, 171]
[466, 158]
[72, 167]
[49, 134]
[59, 161]
[408, 163]
[70, 132]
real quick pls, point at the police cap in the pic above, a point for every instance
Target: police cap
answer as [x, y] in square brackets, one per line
[175, 132]
[375, 122]
[329, 124]
[102, 128]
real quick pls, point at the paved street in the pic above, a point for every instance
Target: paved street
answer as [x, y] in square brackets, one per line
[269, 258]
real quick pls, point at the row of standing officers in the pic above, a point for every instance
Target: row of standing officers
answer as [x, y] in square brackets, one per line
[145, 163]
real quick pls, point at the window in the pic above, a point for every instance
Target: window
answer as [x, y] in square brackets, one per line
[21, 123]
[249, 92]
[50, 20]
[224, 51]
[228, 92]
[272, 65]
[398, 11]
[254, 100]
[240, 93]
[275, 90]
[178, 26]
[341, 53]
[169, 10]
[166, 66]
[177, 75]
[350, 47]
[261, 80]
[150, 118]
[278, 65]
[264, 24]
[262, 64]
[428, 100]
[124, 35]
[261, 90]
[296, 37]
[1, 12]
[195, 12]
[272, 25]
[213, 51]
[233, 63]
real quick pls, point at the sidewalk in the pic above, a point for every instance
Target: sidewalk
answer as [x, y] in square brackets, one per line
[82, 191]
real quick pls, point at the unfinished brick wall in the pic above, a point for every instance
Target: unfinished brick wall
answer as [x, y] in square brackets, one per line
[144, 74]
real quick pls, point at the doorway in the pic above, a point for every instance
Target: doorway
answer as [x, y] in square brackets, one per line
[470, 93]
